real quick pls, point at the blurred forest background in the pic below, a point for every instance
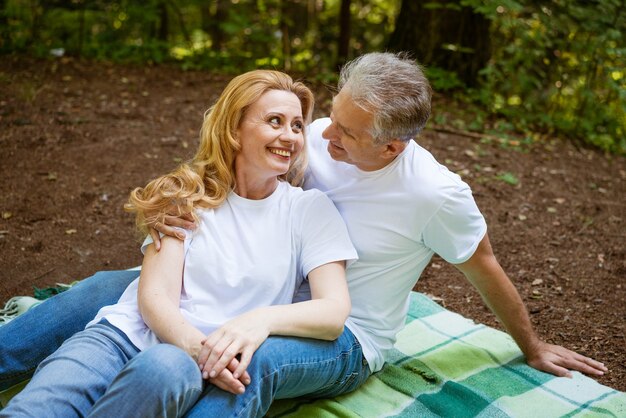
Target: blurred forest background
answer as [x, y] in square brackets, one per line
[522, 69]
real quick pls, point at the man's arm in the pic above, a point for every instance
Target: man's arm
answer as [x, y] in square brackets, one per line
[496, 289]
[168, 228]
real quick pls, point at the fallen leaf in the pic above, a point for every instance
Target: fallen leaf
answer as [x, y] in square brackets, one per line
[508, 178]
[551, 209]
[70, 231]
[559, 200]
[521, 217]
[52, 176]
[6, 215]
[537, 282]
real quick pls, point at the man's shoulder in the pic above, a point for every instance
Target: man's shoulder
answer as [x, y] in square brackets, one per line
[315, 128]
[424, 171]
[427, 183]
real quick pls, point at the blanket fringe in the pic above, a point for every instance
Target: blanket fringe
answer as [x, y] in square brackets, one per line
[15, 307]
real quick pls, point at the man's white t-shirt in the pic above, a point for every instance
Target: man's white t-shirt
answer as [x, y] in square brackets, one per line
[397, 218]
[245, 254]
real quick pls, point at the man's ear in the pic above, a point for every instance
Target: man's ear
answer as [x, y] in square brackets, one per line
[393, 148]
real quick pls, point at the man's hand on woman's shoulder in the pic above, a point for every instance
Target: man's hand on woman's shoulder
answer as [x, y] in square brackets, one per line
[168, 227]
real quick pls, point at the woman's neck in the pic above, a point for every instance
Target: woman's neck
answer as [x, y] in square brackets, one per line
[254, 189]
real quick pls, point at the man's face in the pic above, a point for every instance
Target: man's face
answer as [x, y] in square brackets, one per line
[348, 135]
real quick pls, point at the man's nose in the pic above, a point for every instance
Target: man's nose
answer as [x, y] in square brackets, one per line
[330, 132]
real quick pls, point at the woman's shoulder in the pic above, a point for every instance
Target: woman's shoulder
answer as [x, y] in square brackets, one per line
[302, 198]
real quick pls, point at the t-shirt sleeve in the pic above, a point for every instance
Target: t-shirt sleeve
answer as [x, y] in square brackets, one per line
[324, 236]
[188, 237]
[457, 228]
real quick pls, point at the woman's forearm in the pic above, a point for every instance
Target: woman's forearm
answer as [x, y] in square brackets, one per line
[170, 326]
[319, 318]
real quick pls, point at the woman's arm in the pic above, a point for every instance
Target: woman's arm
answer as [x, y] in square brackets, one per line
[322, 317]
[159, 296]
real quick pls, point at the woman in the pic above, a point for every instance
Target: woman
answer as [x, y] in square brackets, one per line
[222, 291]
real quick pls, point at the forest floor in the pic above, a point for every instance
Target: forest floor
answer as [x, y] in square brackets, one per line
[77, 136]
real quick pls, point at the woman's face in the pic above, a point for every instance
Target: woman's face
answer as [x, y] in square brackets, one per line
[271, 135]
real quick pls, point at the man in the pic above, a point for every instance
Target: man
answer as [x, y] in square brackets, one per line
[400, 207]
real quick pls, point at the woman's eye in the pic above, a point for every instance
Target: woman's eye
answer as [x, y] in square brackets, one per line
[299, 126]
[274, 120]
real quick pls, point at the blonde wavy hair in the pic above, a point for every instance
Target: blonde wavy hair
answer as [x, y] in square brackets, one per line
[208, 178]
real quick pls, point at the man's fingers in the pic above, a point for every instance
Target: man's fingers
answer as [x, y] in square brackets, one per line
[551, 367]
[185, 221]
[598, 366]
[585, 365]
[156, 239]
[190, 221]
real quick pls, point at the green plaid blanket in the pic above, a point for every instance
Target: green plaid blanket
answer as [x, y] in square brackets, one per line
[445, 365]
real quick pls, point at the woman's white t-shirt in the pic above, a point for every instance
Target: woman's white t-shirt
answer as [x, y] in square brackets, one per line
[245, 254]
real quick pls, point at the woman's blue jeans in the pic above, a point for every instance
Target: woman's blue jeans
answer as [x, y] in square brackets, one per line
[283, 367]
[288, 367]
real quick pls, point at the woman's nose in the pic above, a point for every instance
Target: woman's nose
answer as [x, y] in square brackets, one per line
[289, 135]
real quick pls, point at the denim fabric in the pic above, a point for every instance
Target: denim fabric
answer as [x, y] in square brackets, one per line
[283, 367]
[34, 335]
[162, 381]
[286, 367]
[101, 366]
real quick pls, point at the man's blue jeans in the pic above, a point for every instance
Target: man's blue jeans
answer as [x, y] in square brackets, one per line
[283, 367]
[98, 372]
[34, 335]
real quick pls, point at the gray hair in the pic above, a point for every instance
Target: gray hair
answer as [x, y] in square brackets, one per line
[394, 89]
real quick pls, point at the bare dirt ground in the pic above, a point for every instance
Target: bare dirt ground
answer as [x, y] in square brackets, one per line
[77, 136]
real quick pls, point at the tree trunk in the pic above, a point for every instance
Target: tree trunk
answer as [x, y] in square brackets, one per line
[284, 30]
[220, 15]
[445, 35]
[163, 30]
[5, 35]
[343, 45]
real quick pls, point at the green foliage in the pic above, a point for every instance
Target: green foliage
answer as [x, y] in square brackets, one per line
[556, 67]
[296, 35]
[443, 80]
[559, 67]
